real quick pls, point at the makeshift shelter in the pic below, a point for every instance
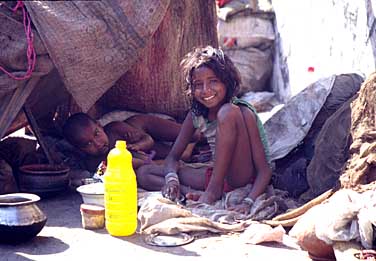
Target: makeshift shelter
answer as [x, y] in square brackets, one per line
[89, 47]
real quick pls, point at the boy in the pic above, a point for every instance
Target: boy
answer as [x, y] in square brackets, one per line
[143, 134]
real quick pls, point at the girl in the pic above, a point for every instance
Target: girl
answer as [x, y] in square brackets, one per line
[232, 128]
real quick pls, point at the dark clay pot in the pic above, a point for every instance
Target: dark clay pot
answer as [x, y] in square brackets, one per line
[43, 179]
[20, 217]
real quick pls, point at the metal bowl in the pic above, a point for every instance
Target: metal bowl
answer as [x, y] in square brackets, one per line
[20, 217]
[92, 193]
[43, 179]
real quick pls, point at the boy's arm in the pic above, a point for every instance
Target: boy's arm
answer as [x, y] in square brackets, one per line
[136, 139]
[144, 143]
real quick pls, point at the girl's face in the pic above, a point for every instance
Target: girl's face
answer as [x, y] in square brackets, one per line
[208, 89]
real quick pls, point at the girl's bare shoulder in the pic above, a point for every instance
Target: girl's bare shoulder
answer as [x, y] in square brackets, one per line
[247, 112]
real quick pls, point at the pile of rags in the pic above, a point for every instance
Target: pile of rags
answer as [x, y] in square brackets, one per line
[160, 215]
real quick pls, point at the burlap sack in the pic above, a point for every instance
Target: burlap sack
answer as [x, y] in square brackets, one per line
[13, 50]
[92, 43]
[156, 83]
[255, 65]
[361, 166]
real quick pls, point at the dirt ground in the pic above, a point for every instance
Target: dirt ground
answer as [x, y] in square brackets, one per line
[63, 238]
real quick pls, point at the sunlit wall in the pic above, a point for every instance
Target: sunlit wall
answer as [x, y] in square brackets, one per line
[317, 38]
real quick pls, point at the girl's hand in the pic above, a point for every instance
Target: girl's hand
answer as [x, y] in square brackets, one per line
[241, 208]
[171, 190]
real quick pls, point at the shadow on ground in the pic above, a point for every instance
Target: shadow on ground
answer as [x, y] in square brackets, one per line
[63, 209]
[40, 245]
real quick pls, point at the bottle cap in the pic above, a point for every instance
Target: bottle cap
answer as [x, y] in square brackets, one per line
[121, 144]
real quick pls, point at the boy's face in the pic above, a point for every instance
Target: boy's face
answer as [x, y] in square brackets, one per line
[92, 140]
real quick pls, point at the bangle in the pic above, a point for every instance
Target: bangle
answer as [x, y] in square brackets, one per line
[171, 176]
[248, 201]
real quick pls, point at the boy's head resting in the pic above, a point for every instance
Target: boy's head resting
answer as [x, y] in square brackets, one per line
[86, 134]
[219, 63]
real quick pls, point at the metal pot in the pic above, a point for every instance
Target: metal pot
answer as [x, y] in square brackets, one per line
[20, 217]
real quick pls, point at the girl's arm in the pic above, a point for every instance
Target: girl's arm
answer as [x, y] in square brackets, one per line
[137, 139]
[171, 189]
[183, 139]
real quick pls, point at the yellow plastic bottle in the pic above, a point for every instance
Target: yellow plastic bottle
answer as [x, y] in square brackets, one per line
[120, 196]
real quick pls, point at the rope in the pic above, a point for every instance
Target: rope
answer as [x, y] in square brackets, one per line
[30, 53]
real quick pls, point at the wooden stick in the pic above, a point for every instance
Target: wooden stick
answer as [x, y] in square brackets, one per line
[285, 223]
[303, 209]
[38, 135]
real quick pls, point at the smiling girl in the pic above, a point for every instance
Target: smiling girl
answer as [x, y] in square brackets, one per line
[232, 128]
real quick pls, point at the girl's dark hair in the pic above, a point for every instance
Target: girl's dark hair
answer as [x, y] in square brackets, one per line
[219, 63]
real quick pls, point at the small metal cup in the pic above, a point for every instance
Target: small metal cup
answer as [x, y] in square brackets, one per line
[88, 181]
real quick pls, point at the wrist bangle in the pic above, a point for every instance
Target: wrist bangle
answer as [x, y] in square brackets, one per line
[248, 201]
[172, 176]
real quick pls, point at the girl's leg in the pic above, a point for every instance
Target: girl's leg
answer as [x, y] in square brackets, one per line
[192, 179]
[151, 178]
[242, 169]
[233, 155]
